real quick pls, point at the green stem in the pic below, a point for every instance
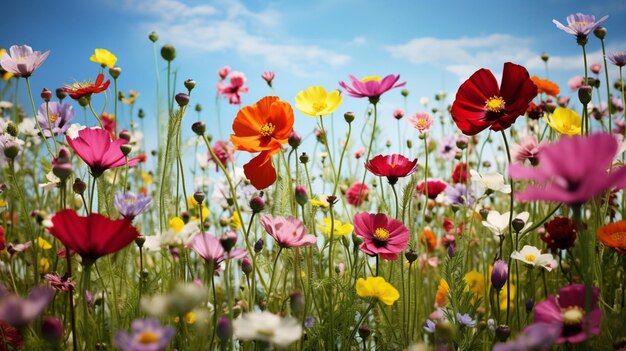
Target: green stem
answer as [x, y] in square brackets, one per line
[343, 152]
[32, 104]
[608, 92]
[93, 112]
[586, 81]
[369, 149]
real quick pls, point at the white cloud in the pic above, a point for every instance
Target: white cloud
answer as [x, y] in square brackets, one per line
[360, 40]
[231, 26]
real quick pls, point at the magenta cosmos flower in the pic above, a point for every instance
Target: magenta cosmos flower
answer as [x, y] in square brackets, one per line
[233, 90]
[287, 231]
[95, 148]
[208, 246]
[371, 87]
[22, 61]
[391, 166]
[580, 25]
[384, 236]
[572, 170]
[568, 310]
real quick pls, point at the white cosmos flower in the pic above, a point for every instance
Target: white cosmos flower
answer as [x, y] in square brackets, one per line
[498, 223]
[52, 183]
[73, 130]
[533, 256]
[171, 237]
[491, 180]
[268, 327]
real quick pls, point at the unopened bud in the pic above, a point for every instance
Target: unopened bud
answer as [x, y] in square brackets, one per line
[60, 93]
[294, 140]
[258, 245]
[364, 331]
[411, 256]
[304, 158]
[126, 149]
[168, 52]
[257, 204]
[545, 57]
[349, 116]
[141, 114]
[302, 197]
[199, 128]
[600, 33]
[228, 241]
[296, 302]
[52, 330]
[584, 94]
[11, 149]
[153, 36]
[190, 84]
[198, 108]
[404, 92]
[199, 197]
[246, 266]
[502, 333]
[140, 240]
[83, 101]
[79, 186]
[46, 94]
[115, 72]
[224, 329]
[124, 134]
[182, 99]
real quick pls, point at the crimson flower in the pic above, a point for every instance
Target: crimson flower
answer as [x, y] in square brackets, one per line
[460, 173]
[80, 89]
[357, 193]
[94, 146]
[383, 235]
[434, 187]
[371, 87]
[391, 166]
[481, 104]
[560, 234]
[93, 236]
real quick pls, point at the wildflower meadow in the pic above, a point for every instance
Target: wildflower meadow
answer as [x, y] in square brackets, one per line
[490, 217]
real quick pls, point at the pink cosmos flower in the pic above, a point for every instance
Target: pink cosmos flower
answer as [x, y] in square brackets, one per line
[371, 87]
[224, 151]
[572, 170]
[287, 231]
[208, 246]
[595, 68]
[355, 196]
[567, 310]
[398, 114]
[422, 121]
[359, 153]
[580, 25]
[391, 166]
[223, 72]
[95, 148]
[268, 77]
[22, 61]
[527, 149]
[383, 235]
[575, 83]
[233, 90]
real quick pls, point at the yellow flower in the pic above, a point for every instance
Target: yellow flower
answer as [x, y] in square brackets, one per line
[43, 244]
[377, 288]
[503, 294]
[44, 265]
[176, 224]
[235, 221]
[132, 97]
[146, 177]
[321, 202]
[475, 282]
[565, 121]
[314, 101]
[441, 299]
[103, 57]
[340, 229]
[3, 203]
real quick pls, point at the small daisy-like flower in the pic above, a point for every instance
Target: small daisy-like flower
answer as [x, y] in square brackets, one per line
[377, 288]
[146, 335]
[533, 256]
[267, 327]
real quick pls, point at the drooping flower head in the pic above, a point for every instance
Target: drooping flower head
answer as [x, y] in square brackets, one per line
[567, 310]
[434, 187]
[422, 121]
[80, 89]
[572, 170]
[391, 166]
[481, 104]
[565, 121]
[613, 235]
[92, 236]
[262, 127]
[209, 247]
[233, 90]
[104, 57]
[618, 58]
[371, 87]
[146, 335]
[129, 205]
[287, 231]
[383, 235]
[95, 148]
[59, 115]
[315, 101]
[377, 288]
[580, 26]
[22, 61]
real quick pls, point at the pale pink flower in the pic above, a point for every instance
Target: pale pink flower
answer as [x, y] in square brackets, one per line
[287, 231]
[422, 121]
[527, 149]
[22, 61]
[398, 113]
[575, 83]
[268, 77]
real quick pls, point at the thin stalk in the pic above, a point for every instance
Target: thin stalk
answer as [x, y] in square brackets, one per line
[369, 149]
[608, 92]
[32, 104]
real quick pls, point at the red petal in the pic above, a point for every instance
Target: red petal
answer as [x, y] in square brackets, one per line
[260, 171]
[468, 109]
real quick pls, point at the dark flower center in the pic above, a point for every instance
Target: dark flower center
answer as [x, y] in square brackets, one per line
[381, 235]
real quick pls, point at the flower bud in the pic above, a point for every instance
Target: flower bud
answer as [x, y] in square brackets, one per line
[258, 245]
[499, 274]
[462, 142]
[600, 33]
[302, 197]
[190, 84]
[452, 250]
[12, 130]
[141, 114]
[182, 99]
[224, 329]
[140, 240]
[296, 302]
[124, 134]
[60, 93]
[294, 140]
[83, 101]
[52, 330]
[11, 149]
[153, 36]
[46, 94]
[199, 197]
[364, 331]
[304, 158]
[404, 92]
[228, 240]
[518, 224]
[584, 94]
[545, 57]
[409, 143]
[115, 72]
[62, 170]
[198, 108]
[126, 149]
[79, 186]
[411, 256]
[257, 204]
[168, 52]
[595, 68]
[349, 116]
[502, 333]
[246, 266]
[199, 128]
[530, 304]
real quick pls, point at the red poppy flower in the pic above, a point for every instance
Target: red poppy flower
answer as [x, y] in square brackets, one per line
[93, 236]
[80, 89]
[434, 187]
[391, 166]
[481, 104]
[460, 173]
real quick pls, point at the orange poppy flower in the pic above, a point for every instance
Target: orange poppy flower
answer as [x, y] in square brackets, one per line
[262, 127]
[613, 235]
[442, 293]
[546, 86]
[428, 239]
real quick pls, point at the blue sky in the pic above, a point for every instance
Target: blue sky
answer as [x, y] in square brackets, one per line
[433, 45]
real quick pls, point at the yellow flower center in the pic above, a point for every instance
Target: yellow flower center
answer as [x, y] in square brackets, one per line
[368, 78]
[147, 337]
[53, 117]
[572, 315]
[265, 332]
[495, 104]
[580, 23]
[130, 201]
[267, 129]
[619, 237]
[381, 234]
[530, 258]
[319, 106]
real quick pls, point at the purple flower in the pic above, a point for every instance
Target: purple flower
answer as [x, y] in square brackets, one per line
[572, 170]
[23, 61]
[430, 326]
[567, 311]
[459, 195]
[618, 58]
[447, 148]
[580, 25]
[209, 247]
[146, 335]
[465, 320]
[371, 87]
[535, 337]
[18, 311]
[129, 205]
[60, 115]
[499, 274]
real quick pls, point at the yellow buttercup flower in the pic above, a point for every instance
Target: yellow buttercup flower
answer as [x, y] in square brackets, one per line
[103, 57]
[475, 282]
[176, 224]
[315, 101]
[146, 177]
[321, 202]
[132, 97]
[235, 221]
[44, 265]
[339, 229]
[377, 288]
[503, 294]
[565, 121]
[43, 244]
